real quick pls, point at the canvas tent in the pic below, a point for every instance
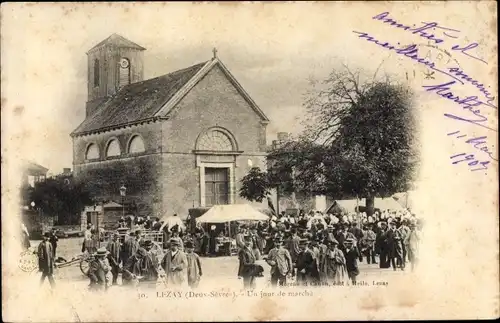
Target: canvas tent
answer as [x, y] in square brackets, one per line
[171, 221]
[406, 199]
[388, 203]
[231, 212]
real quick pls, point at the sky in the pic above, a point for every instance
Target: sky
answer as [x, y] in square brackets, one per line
[272, 50]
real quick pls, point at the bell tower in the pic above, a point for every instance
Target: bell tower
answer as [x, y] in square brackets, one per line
[112, 64]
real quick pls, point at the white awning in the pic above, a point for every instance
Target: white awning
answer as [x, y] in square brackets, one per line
[231, 212]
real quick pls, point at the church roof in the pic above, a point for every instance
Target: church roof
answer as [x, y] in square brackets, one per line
[154, 99]
[138, 101]
[118, 41]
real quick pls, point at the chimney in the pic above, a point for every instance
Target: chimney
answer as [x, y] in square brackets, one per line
[283, 136]
[275, 144]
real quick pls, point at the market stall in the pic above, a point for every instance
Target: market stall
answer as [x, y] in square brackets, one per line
[227, 214]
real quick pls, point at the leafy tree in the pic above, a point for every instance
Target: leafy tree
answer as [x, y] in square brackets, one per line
[359, 142]
[364, 137]
[255, 186]
[63, 197]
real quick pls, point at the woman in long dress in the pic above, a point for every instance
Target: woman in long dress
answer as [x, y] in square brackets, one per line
[333, 266]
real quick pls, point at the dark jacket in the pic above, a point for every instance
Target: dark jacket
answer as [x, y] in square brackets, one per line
[45, 258]
[351, 260]
[305, 260]
[247, 263]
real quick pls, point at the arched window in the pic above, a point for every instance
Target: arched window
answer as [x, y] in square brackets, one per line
[215, 140]
[136, 145]
[124, 72]
[113, 148]
[96, 72]
[92, 152]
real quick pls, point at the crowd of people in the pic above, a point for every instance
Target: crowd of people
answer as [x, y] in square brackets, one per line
[324, 249]
[313, 248]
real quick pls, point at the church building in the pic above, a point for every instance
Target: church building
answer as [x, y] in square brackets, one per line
[174, 142]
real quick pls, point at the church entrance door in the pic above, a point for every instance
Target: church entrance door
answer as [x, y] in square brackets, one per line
[216, 186]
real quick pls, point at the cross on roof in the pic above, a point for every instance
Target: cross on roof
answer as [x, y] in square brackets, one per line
[215, 52]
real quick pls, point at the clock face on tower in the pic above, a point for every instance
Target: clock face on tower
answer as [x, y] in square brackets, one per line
[124, 63]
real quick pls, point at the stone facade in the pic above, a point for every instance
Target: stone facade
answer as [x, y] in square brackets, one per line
[168, 177]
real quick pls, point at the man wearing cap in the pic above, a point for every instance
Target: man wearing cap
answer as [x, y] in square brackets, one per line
[174, 264]
[99, 270]
[281, 263]
[46, 260]
[114, 250]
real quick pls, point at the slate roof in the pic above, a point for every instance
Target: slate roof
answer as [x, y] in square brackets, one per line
[138, 101]
[118, 41]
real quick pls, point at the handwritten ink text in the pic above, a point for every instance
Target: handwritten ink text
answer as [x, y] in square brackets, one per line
[410, 51]
[478, 143]
[472, 161]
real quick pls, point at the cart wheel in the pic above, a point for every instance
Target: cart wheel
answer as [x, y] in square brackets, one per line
[85, 266]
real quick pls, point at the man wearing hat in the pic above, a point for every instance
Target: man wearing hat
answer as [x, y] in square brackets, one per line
[139, 237]
[306, 263]
[412, 242]
[343, 235]
[100, 270]
[140, 266]
[114, 249]
[174, 264]
[332, 265]
[240, 241]
[395, 247]
[247, 259]
[281, 263]
[175, 236]
[381, 245]
[404, 230]
[358, 234]
[130, 247]
[351, 255]
[293, 245]
[367, 244]
[46, 260]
